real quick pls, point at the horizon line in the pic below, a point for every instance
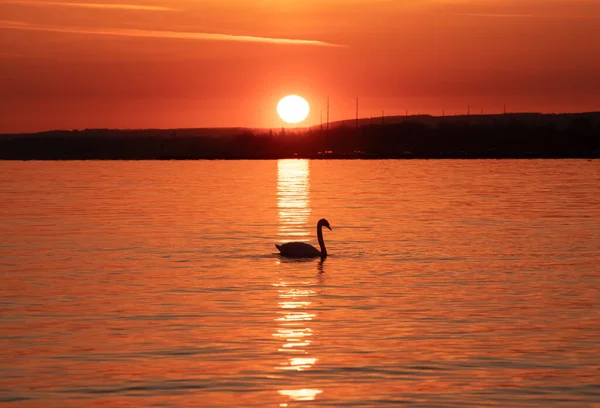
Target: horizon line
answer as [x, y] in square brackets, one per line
[472, 115]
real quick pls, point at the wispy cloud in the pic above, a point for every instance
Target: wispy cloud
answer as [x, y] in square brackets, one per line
[499, 15]
[182, 35]
[515, 15]
[88, 5]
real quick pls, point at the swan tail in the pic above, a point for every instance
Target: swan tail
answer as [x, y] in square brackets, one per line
[278, 247]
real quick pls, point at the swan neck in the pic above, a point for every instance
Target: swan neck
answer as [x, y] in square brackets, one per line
[321, 241]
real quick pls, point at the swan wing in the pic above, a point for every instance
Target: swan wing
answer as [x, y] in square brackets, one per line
[298, 249]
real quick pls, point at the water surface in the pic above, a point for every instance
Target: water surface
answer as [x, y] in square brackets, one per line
[450, 283]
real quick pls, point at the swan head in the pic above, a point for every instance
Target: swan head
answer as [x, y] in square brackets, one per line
[324, 223]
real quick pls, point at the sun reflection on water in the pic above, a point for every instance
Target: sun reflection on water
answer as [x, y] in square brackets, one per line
[301, 395]
[293, 315]
[293, 325]
[293, 329]
[293, 203]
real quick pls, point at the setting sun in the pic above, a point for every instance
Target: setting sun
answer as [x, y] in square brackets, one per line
[293, 109]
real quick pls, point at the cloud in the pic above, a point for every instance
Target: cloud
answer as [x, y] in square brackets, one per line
[181, 35]
[499, 15]
[90, 5]
[515, 15]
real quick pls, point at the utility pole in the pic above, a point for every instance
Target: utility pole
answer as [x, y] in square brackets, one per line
[357, 112]
[321, 120]
[328, 113]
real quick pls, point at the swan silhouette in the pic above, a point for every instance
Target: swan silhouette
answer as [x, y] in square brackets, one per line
[304, 250]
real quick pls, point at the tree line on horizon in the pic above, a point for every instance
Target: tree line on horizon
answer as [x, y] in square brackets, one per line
[492, 136]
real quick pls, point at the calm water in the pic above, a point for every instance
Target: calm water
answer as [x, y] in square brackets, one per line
[449, 283]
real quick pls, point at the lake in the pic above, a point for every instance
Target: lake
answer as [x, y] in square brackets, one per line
[449, 283]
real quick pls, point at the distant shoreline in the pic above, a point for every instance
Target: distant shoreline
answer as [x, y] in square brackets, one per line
[593, 156]
[509, 136]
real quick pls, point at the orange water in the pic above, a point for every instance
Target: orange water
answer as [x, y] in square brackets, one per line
[449, 283]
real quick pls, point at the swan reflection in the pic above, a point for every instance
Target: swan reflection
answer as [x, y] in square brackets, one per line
[320, 269]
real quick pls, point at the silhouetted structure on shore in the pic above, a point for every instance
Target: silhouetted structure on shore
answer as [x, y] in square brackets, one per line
[479, 136]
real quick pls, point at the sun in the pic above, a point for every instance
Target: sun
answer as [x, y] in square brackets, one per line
[293, 109]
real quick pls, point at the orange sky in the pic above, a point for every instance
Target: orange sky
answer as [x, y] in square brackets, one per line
[158, 63]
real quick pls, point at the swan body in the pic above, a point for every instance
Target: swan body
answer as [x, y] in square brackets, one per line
[304, 250]
[298, 249]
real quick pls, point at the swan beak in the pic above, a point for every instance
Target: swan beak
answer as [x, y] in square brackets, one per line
[329, 227]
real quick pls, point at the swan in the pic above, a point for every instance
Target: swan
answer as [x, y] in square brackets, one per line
[303, 250]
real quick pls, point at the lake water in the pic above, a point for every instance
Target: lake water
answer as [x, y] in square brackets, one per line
[449, 283]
